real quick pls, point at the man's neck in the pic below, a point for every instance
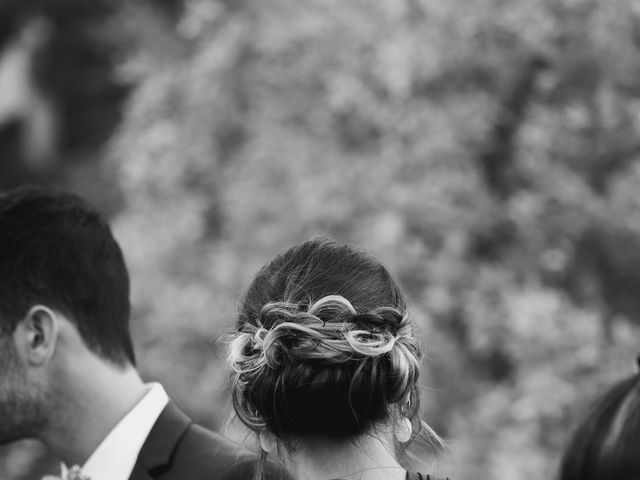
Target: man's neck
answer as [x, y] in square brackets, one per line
[87, 405]
[368, 458]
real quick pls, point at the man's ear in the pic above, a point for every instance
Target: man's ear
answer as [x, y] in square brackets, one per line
[36, 335]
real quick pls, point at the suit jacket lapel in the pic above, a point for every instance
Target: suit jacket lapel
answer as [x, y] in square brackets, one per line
[161, 442]
[139, 473]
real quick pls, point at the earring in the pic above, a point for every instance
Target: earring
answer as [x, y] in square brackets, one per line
[267, 441]
[403, 430]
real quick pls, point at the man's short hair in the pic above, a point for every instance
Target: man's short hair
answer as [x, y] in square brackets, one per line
[56, 250]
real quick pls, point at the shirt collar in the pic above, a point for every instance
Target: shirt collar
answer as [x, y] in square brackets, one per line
[116, 456]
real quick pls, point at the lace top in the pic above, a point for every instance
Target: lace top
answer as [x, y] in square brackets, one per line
[421, 476]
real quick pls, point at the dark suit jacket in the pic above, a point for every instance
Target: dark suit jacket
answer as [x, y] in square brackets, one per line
[178, 449]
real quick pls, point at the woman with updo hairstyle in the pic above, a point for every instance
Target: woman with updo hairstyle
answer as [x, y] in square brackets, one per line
[606, 444]
[326, 365]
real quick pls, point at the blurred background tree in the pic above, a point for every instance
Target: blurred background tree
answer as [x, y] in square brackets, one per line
[487, 151]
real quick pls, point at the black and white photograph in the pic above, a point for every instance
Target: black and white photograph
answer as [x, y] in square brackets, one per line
[319, 239]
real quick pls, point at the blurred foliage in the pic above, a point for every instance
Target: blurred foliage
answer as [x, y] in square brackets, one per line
[486, 151]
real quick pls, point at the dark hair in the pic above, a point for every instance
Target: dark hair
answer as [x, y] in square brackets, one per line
[57, 251]
[324, 346]
[605, 444]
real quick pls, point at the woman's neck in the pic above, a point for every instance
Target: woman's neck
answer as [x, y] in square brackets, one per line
[365, 458]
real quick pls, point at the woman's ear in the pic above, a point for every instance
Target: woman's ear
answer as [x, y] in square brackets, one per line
[268, 441]
[36, 336]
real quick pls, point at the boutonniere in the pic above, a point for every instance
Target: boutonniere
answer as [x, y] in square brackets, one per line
[73, 473]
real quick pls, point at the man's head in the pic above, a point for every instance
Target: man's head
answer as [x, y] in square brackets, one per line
[60, 271]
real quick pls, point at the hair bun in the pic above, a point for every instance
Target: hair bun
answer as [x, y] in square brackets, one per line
[329, 332]
[317, 364]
